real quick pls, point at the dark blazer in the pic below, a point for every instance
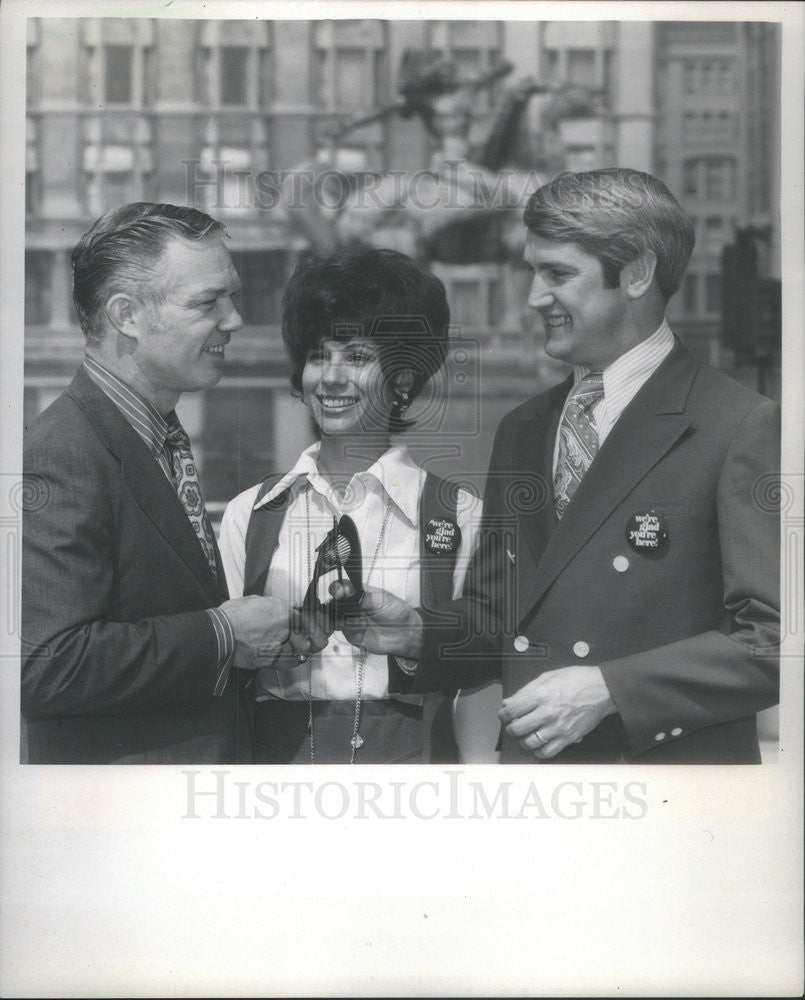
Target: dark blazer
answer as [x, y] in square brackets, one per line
[686, 635]
[119, 657]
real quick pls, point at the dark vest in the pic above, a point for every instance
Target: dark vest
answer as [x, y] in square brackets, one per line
[439, 502]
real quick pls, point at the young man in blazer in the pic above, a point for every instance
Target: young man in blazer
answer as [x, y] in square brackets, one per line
[626, 585]
[128, 639]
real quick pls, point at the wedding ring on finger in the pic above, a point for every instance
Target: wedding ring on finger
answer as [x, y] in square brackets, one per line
[540, 737]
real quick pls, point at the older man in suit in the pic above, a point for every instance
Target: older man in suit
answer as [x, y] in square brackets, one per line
[128, 637]
[626, 585]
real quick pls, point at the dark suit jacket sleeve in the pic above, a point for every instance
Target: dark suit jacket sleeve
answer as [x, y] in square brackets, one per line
[79, 657]
[719, 676]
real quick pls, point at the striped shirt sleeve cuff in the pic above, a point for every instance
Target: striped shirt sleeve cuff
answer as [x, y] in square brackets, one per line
[226, 648]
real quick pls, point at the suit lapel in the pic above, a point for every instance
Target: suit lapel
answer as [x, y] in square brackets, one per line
[145, 480]
[157, 497]
[648, 428]
[534, 457]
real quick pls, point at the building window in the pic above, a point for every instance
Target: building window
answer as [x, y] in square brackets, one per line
[710, 177]
[581, 158]
[689, 177]
[116, 62]
[242, 414]
[465, 303]
[581, 68]
[354, 78]
[235, 152]
[263, 274]
[709, 128]
[32, 178]
[38, 287]
[350, 64]
[708, 77]
[713, 234]
[106, 189]
[474, 47]
[33, 77]
[347, 79]
[719, 181]
[689, 76]
[495, 303]
[690, 293]
[31, 192]
[609, 79]
[233, 64]
[232, 68]
[118, 161]
[712, 293]
[552, 65]
[117, 187]
[698, 33]
[475, 294]
[118, 73]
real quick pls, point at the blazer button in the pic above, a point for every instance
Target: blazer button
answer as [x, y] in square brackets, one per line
[676, 731]
[521, 643]
[581, 649]
[620, 564]
[659, 737]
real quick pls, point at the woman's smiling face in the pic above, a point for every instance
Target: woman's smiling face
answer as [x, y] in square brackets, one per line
[345, 387]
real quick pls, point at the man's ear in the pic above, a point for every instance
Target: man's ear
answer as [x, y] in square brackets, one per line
[402, 380]
[123, 312]
[638, 274]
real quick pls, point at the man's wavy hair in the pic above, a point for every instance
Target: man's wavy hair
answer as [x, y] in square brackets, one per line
[378, 294]
[121, 253]
[615, 215]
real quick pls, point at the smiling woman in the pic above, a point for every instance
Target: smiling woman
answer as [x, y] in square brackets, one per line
[346, 389]
[365, 329]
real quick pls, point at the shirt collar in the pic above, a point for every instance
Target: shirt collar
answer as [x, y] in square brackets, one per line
[143, 416]
[396, 472]
[401, 479]
[305, 468]
[637, 363]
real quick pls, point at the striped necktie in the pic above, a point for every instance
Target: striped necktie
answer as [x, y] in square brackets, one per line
[578, 439]
[188, 488]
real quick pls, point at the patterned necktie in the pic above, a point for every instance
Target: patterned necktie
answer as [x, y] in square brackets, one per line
[188, 488]
[578, 439]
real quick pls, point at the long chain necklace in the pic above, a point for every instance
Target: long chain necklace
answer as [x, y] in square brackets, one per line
[357, 741]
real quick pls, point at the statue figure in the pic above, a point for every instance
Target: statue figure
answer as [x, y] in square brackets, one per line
[465, 206]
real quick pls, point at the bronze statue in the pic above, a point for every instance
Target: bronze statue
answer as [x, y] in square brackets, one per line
[461, 204]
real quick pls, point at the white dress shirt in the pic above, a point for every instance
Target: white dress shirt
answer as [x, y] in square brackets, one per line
[394, 483]
[623, 379]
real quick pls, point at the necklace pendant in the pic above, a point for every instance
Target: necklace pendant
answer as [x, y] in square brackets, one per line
[356, 742]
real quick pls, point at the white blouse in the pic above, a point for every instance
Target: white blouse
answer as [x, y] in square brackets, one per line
[389, 489]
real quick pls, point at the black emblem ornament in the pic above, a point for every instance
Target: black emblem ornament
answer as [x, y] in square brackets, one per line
[442, 536]
[340, 550]
[647, 532]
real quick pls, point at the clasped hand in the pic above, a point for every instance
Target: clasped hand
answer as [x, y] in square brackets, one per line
[380, 623]
[268, 632]
[556, 709]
